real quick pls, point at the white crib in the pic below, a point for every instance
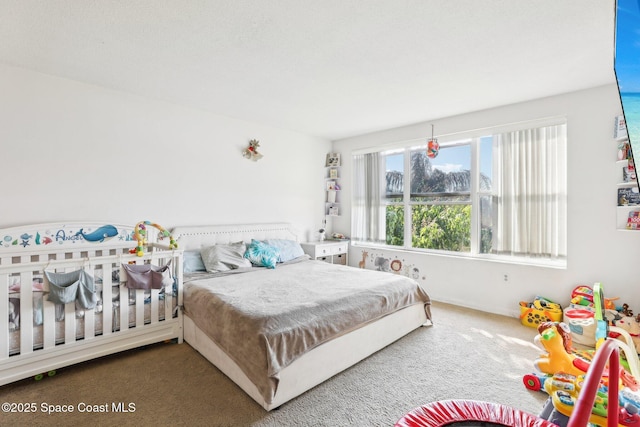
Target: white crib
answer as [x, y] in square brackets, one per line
[39, 336]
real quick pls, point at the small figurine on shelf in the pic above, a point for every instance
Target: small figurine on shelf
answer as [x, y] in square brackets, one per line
[321, 234]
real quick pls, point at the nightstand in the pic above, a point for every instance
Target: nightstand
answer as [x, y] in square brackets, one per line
[331, 251]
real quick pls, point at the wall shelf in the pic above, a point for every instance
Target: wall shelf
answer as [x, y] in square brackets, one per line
[626, 185]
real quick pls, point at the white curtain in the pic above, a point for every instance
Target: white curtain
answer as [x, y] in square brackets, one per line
[529, 208]
[367, 210]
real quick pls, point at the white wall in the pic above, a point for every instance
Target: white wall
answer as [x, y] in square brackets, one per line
[74, 152]
[596, 250]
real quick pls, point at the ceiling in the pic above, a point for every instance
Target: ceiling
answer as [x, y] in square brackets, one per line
[328, 68]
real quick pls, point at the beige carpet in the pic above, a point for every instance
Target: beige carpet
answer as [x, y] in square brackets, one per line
[465, 355]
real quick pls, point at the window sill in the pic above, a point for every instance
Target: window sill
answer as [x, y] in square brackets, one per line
[501, 259]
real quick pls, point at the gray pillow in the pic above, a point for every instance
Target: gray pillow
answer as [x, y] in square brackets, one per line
[225, 257]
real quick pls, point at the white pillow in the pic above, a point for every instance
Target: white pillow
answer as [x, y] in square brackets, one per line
[225, 257]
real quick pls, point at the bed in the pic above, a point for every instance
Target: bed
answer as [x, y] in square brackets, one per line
[65, 296]
[253, 323]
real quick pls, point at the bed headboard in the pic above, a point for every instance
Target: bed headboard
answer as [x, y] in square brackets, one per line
[200, 236]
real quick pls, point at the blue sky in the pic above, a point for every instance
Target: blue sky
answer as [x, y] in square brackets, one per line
[453, 159]
[627, 61]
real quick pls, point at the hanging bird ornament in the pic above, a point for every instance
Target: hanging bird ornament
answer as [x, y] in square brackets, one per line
[432, 146]
[251, 152]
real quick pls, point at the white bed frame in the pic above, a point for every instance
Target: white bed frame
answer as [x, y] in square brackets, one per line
[314, 367]
[26, 252]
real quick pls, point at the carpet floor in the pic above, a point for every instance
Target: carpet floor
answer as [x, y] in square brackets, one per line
[467, 354]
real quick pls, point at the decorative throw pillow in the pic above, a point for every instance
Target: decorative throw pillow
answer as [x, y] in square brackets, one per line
[193, 262]
[224, 257]
[261, 254]
[289, 249]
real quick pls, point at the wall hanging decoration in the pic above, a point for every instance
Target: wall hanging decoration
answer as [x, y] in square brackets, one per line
[432, 146]
[251, 152]
[140, 234]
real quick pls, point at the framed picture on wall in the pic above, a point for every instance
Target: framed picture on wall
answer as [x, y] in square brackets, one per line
[333, 173]
[333, 159]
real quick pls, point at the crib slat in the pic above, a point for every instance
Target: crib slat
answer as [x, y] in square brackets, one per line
[88, 320]
[107, 298]
[69, 322]
[124, 302]
[4, 319]
[26, 307]
[139, 307]
[154, 305]
[48, 323]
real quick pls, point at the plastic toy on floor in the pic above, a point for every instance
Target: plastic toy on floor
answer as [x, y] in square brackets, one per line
[583, 296]
[579, 410]
[632, 327]
[563, 373]
[538, 311]
[555, 338]
[591, 402]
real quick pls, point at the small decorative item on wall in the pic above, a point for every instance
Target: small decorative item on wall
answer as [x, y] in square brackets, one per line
[382, 262]
[251, 152]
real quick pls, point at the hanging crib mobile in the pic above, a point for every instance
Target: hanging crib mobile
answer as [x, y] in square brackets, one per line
[140, 234]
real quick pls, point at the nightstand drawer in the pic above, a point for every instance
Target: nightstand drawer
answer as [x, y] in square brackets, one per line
[329, 251]
[340, 248]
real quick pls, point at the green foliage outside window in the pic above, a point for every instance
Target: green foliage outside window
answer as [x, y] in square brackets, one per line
[395, 225]
[443, 227]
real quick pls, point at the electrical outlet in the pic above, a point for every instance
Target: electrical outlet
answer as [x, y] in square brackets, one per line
[506, 277]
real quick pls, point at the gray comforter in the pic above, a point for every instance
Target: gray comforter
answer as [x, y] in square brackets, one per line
[265, 319]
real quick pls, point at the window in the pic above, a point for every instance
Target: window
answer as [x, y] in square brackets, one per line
[491, 194]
